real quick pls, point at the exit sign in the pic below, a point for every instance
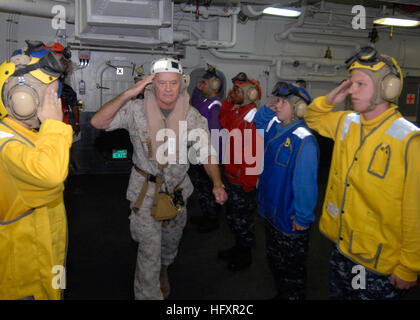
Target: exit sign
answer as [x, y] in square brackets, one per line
[119, 154]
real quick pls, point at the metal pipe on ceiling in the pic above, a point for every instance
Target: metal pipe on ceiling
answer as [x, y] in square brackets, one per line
[40, 8]
[77, 46]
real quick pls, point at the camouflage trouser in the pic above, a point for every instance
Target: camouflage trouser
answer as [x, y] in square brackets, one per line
[240, 208]
[203, 187]
[286, 255]
[345, 281]
[158, 246]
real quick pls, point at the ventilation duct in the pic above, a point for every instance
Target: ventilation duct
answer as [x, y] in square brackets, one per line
[140, 23]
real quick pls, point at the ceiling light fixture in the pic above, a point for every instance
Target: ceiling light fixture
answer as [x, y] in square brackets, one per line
[282, 12]
[397, 22]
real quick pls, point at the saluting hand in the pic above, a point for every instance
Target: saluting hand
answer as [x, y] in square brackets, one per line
[139, 86]
[51, 105]
[337, 95]
[274, 104]
[200, 85]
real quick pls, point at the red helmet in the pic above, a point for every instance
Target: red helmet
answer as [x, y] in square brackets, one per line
[59, 49]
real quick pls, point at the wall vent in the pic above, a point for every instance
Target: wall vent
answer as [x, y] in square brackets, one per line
[139, 23]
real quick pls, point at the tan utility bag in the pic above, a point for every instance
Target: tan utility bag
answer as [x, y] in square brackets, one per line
[163, 207]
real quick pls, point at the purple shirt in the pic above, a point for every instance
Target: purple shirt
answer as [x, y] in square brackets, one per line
[208, 108]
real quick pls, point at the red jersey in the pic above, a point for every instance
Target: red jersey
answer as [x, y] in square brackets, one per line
[238, 153]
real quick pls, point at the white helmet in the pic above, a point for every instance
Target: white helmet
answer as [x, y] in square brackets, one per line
[166, 65]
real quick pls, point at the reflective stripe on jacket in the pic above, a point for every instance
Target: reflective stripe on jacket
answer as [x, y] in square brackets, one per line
[287, 187]
[33, 167]
[242, 155]
[363, 208]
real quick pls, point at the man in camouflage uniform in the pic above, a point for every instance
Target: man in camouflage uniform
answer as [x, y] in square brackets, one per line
[165, 106]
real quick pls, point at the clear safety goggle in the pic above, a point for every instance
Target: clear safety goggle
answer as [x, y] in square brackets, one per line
[284, 90]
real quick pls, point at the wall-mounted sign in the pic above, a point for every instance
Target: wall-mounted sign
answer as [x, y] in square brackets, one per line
[411, 98]
[119, 154]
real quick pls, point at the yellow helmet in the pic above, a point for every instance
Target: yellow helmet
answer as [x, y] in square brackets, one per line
[46, 69]
[28, 75]
[384, 71]
[6, 69]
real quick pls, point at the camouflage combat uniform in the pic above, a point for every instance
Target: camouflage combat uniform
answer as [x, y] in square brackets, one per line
[157, 244]
[240, 208]
[286, 255]
[342, 281]
[204, 190]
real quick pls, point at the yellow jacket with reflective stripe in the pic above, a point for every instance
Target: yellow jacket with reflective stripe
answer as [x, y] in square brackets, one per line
[372, 208]
[33, 167]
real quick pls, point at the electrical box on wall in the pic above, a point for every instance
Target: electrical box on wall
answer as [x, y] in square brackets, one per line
[124, 23]
[84, 58]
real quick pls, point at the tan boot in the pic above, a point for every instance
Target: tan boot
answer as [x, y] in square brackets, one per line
[164, 281]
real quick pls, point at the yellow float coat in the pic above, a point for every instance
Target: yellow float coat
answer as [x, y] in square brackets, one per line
[372, 205]
[33, 229]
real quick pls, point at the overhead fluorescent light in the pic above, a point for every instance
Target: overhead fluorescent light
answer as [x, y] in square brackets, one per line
[397, 22]
[282, 12]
